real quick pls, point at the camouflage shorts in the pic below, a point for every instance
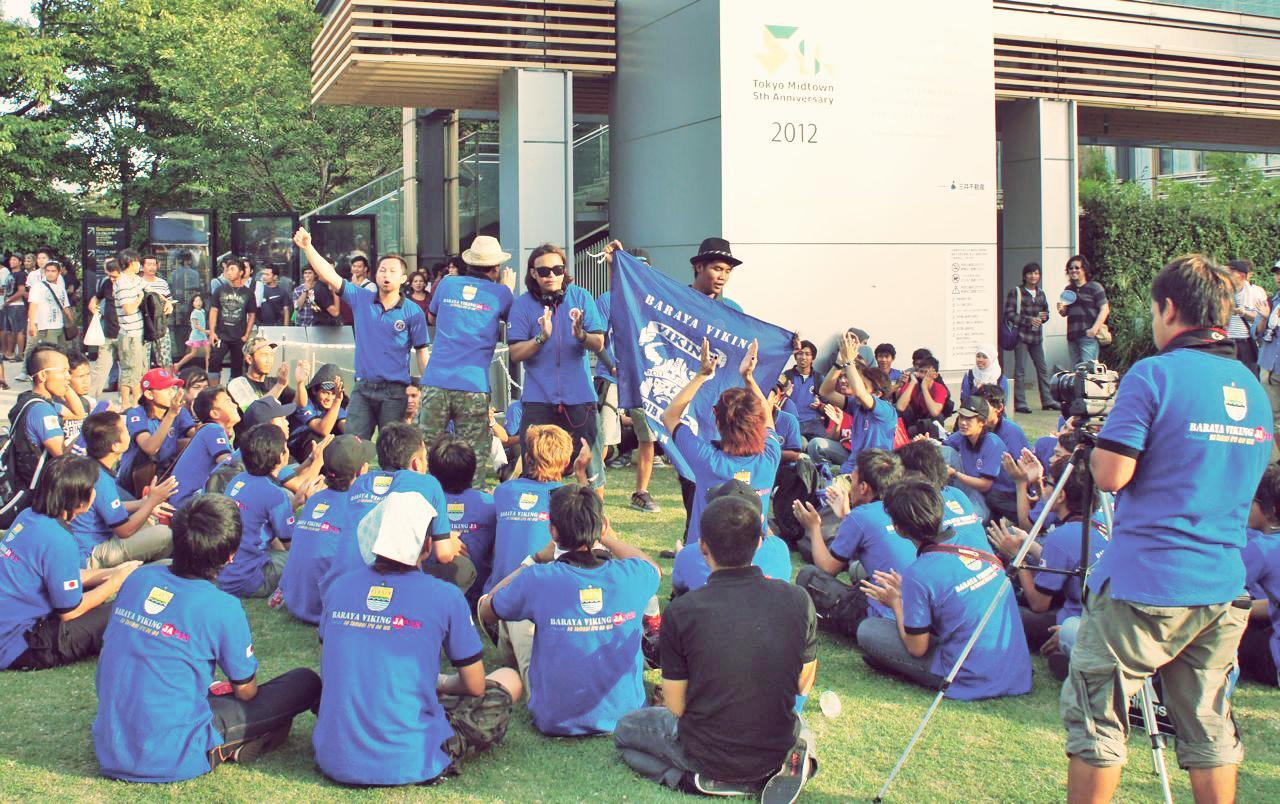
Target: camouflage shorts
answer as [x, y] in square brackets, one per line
[469, 412]
[479, 722]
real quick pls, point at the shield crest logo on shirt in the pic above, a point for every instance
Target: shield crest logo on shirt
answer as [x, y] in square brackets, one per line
[382, 484]
[320, 510]
[156, 600]
[528, 500]
[955, 507]
[469, 292]
[379, 598]
[456, 511]
[236, 488]
[399, 325]
[1235, 401]
[591, 599]
[745, 477]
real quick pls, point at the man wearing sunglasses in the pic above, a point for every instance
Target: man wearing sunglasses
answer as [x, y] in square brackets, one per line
[553, 326]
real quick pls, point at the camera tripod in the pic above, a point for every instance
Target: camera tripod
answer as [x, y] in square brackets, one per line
[1079, 463]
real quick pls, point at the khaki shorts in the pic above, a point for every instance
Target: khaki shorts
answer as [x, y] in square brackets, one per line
[132, 354]
[640, 425]
[1120, 644]
[610, 420]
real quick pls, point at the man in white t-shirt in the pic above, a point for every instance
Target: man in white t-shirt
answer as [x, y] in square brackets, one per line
[46, 296]
[159, 351]
[127, 292]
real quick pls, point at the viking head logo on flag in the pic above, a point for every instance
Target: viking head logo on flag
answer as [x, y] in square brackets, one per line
[657, 327]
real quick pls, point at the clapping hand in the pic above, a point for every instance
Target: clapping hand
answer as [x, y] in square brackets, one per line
[707, 363]
[282, 374]
[884, 587]
[575, 315]
[849, 344]
[838, 500]
[806, 515]
[301, 372]
[545, 321]
[1006, 538]
[749, 360]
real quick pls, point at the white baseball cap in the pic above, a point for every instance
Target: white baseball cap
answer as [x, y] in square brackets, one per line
[396, 528]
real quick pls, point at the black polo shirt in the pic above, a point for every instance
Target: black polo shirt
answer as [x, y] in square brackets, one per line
[740, 642]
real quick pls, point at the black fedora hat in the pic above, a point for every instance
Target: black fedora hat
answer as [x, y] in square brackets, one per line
[714, 249]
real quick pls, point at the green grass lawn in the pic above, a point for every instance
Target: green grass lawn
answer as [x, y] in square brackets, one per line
[1008, 750]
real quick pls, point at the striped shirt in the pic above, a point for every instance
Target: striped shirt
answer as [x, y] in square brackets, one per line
[128, 290]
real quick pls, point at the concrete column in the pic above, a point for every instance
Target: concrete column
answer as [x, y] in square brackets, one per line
[535, 170]
[1041, 221]
[409, 185]
[432, 171]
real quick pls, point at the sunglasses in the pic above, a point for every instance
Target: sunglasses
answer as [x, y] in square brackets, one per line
[545, 271]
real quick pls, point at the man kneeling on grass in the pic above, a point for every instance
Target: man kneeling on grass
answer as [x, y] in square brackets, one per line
[938, 601]
[735, 654]
[586, 612]
[159, 718]
[387, 717]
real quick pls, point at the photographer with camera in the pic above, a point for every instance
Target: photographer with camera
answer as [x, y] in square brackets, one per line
[1185, 445]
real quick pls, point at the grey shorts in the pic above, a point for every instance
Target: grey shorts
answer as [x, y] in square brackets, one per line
[14, 318]
[131, 352]
[640, 425]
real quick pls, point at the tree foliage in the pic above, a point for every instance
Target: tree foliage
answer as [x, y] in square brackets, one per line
[1129, 234]
[118, 106]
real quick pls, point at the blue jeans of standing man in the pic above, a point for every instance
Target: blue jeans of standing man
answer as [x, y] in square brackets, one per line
[1083, 350]
[375, 404]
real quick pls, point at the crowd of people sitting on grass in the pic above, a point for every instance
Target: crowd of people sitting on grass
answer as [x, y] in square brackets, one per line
[149, 524]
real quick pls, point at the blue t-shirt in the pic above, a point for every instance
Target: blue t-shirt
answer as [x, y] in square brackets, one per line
[947, 595]
[870, 429]
[690, 570]
[1044, 449]
[804, 390]
[265, 514]
[788, 428]
[207, 448]
[982, 460]
[186, 420]
[366, 492]
[39, 576]
[301, 418]
[97, 525]
[585, 617]
[523, 524]
[468, 310]
[959, 514]
[137, 422]
[1200, 425]
[604, 303]
[1262, 575]
[1061, 550]
[319, 527]
[867, 536]
[1015, 441]
[511, 421]
[712, 466]
[380, 719]
[166, 634]
[42, 423]
[473, 519]
[384, 338]
[560, 372]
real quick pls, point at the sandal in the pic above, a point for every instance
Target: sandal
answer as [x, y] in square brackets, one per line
[4, 386]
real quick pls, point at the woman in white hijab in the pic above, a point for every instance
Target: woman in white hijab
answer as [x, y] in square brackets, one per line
[985, 371]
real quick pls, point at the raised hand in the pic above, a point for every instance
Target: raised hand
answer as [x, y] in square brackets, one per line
[838, 500]
[159, 492]
[282, 374]
[545, 321]
[507, 277]
[1030, 465]
[707, 364]
[849, 344]
[579, 333]
[748, 365]
[302, 372]
[610, 247]
[302, 239]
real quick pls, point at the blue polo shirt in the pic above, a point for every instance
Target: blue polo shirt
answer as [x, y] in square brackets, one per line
[804, 390]
[604, 303]
[947, 596]
[41, 423]
[588, 615]
[523, 524]
[97, 525]
[511, 420]
[712, 466]
[1044, 449]
[384, 338]
[867, 536]
[473, 519]
[870, 429]
[300, 420]
[788, 428]
[137, 422]
[319, 527]
[380, 719]
[186, 420]
[560, 372]
[39, 576]
[1178, 534]
[1061, 550]
[1262, 575]
[166, 634]
[1013, 436]
[265, 514]
[959, 514]
[982, 459]
[207, 448]
[690, 570]
[468, 310]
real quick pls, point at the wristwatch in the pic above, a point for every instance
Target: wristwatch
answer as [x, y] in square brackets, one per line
[540, 338]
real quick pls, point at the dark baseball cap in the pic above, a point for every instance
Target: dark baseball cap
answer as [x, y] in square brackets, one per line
[346, 454]
[975, 406]
[264, 410]
[735, 488]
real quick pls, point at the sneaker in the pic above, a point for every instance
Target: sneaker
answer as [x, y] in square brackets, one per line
[249, 751]
[784, 786]
[714, 787]
[667, 554]
[620, 462]
[22, 377]
[658, 460]
[1022, 409]
[641, 501]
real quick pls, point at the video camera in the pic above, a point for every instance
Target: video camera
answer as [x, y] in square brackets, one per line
[1089, 391]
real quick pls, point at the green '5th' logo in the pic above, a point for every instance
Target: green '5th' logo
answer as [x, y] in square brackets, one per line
[783, 44]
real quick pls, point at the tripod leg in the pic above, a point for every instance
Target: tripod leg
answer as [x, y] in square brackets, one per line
[1146, 696]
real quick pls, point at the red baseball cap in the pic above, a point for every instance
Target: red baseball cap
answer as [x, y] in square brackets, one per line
[158, 379]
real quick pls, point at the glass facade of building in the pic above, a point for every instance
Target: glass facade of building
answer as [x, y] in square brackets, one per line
[1261, 8]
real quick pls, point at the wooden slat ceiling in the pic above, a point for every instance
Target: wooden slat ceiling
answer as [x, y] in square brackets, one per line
[450, 54]
[1136, 79]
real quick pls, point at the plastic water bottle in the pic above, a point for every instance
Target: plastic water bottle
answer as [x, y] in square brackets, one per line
[829, 703]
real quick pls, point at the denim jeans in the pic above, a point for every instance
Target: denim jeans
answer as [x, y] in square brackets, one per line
[1033, 353]
[649, 745]
[882, 648]
[1082, 350]
[375, 404]
[277, 703]
[825, 450]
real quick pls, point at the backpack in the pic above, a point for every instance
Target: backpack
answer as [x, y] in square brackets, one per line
[107, 308]
[154, 327]
[794, 481]
[21, 462]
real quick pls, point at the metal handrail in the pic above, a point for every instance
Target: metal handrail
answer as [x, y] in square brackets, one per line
[361, 188]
